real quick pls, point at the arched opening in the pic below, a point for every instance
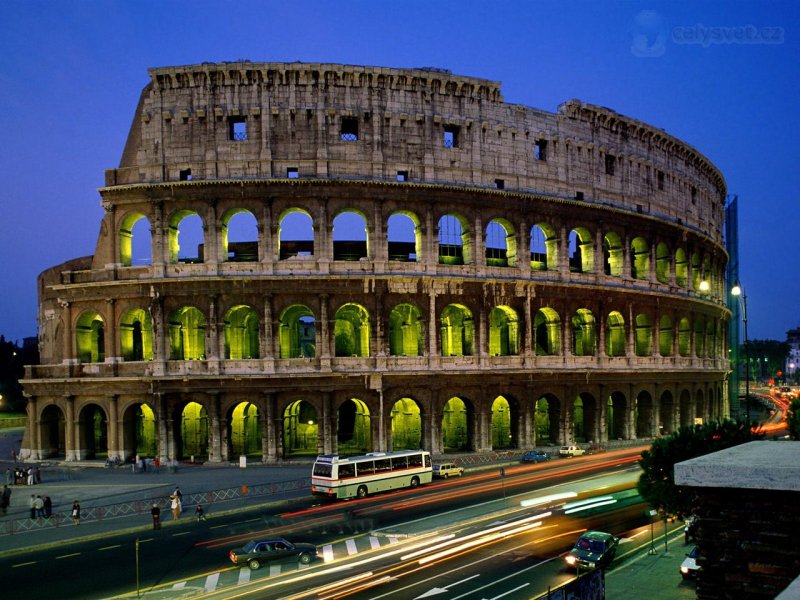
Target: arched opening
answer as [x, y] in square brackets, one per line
[350, 236]
[300, 429]
[90, 334]
[352, 331]
[241, 333]
[699, 337]
[239, 235]
[662, 262]
[584, 339]
[297, 333]
[547, 416]
[643, 335]
[681, 268]
[700, 408]
[185, 237]
[503, 436]
[92, 433]
[687, 408]
[244, 430]
[457, 331]
[454, 243]
[615, 416]
[544, 248]
[135, 241]
[684, 337]
[666, 337]
[581, 251]
[406, 425]
[455, 426]
[645, 415]
[187, 334]
[640, 258]
[404, 237]
[193, 432]
[613, 256]
[139, 432]
[406, 335]
[295, 235]
[52, 432]
[584, 419]
[503, 332]
[353, 433]
[547, 331]
[136, 335]
[615, 334]
[501, 244]
[666, 410]
[697, 275]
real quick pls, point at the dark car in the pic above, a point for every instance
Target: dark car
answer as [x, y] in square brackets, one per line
[594, 549]
[257, 552]
[535, 456]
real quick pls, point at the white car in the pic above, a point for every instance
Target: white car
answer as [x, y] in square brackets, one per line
[446, 470]
[570, 451]
[689, 566]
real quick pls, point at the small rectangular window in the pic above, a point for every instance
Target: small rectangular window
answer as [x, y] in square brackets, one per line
[237, 129]
[292, 173]
[500, 184]
[660, 175]
[349, 131]
[611, 163]
[451, 136]
[185, 175]
[402, 176]
[694, 195]
[540, 150]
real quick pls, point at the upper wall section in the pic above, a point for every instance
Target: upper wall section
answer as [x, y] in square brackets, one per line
[248, 120]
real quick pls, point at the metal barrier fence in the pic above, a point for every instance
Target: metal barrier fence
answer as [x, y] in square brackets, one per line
[142, 507]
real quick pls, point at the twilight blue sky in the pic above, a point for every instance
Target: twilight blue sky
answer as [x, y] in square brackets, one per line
[723, 76]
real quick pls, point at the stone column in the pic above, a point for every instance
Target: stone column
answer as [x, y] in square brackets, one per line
[328, 443]
[626, 257]
[214, 429]
[34, 426]
[68, 340]
[114, 444]
[563, 251]
[269, 448]
[70, 430]
[159, 245]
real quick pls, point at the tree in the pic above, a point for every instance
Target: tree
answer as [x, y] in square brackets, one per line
[793, 419]
[657, 481]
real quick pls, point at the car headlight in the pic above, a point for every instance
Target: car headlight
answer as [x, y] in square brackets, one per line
[684, 570]
[570, 559]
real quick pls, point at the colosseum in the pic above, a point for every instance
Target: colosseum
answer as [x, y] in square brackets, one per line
[385, 259]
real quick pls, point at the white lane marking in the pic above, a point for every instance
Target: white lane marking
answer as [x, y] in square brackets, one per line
[68, 555]
[25, 564]
[351, 547]
[244, 575]
[327, 553]
[374, 542]
[274, 570]
[211, 582]
[110, 547]
[179, 586]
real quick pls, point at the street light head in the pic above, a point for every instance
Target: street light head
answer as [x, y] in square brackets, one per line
[704, 286]
[736, 291]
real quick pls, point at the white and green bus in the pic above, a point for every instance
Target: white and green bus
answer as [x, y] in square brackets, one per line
[358, 476]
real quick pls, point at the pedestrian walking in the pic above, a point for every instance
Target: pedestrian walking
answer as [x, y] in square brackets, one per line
[156, 513]
[39, 505]
[175, 505]
[9, 476]
[37, 475]
[177, 493]
[76, 513]
[5, 499]
[48, 507]
[200, 513]
[32, 504]
[30, 475]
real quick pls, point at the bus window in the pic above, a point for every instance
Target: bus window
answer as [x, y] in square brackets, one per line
[427, 458]
[347, 470]
[415, 460]
[322, 470]
[383, 465]
[366, 468]
[399, 463]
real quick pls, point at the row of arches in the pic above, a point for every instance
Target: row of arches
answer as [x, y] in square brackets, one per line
[542, 247]
[407, 329]
[299, 428]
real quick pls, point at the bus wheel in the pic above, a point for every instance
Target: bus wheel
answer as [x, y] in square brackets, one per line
[414, 481]
[362, 491]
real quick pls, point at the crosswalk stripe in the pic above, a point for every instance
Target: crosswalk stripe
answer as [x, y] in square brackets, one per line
[179, 586]
[374, 542]
[274, 570]
[244, 576]
[351, 546]
[211, 582]
[327, 553]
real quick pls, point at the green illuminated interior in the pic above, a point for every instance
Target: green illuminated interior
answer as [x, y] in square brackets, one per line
[245, 430]
[578, 425]
[681, 268]
[697, 275]
[125, 238]
[241, 333]
[297, 333]
[614, 426]
[352, 331]
[94, 436]
[615, 334]
[457, 331]
[546, 418]
[145, 431]
[662, 262]
[665, 336]
[136, 335]
[454, 425]
[547, 330]
[300, 429]
[194, 431]
[699, 338]
[406, 336]
[353, 433]
[640, 258]
[581, 259]
[90, 337]
[187, 334]
[684, 337]
[501, 424]
[612, 254]
[543, 247]
[705, 274]
[643, 335]
[584, 339]
[503, 332]
[406, 425]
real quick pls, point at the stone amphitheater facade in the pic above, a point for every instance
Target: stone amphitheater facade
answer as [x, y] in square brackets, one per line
[516, 278]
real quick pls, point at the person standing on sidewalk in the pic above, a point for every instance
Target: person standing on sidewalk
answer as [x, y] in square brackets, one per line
[39, 504]
[48, 507]
[175, 505]
[156, 513]
[76, 513]
[5, 499]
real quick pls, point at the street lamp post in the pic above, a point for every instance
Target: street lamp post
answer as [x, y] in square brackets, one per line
[739, 292]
